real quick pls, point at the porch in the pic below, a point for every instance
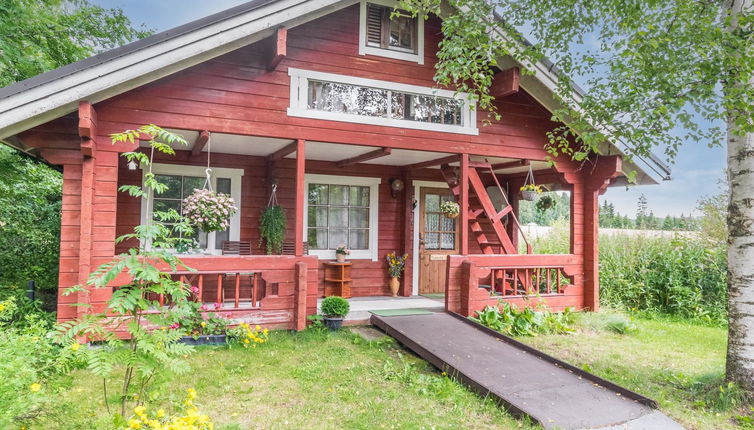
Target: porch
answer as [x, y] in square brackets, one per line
[375, 200]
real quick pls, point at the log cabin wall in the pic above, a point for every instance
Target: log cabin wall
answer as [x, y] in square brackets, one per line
[236, 94]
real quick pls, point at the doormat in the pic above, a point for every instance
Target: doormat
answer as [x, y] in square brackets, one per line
[398, 312]
[434, 295]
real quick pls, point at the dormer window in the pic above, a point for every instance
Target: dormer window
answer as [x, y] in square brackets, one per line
[400, 37]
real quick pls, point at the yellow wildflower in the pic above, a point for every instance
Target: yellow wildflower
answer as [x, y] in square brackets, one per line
[203, 324]
[139, 410]
[35, 387]
[75, 346]
[2, 307]
[191, 393]
[258, 327]
[265, 331]
[134, 424]
[160, 413]
[246, 341]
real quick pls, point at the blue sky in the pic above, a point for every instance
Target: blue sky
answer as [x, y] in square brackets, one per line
[697, 170]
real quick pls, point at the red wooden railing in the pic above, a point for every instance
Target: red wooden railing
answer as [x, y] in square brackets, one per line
[230, 289]
[526, 281]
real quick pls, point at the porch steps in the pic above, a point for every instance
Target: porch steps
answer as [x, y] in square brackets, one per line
[481, 209]
[524, 380]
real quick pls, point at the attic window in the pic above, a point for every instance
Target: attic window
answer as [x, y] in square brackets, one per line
[399, 37]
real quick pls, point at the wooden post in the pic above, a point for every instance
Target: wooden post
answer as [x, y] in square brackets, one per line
[463, 237]
[591, 250]
[512, 227]
[300, 196]
[469, 283]
[299, 310]
[408, 233]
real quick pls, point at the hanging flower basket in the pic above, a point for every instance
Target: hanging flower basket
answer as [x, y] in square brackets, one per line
[209, 211]
[450, 209]
[529, 192]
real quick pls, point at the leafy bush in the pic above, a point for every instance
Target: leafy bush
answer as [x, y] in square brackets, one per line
[335, 307]
[511, 321]
[620, 325]
[29, 365]
[682, 276]
[30, 202]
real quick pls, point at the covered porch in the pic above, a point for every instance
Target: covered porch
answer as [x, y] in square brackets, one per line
[375, 200]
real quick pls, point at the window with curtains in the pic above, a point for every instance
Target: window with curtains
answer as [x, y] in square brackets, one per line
[181, 182]
[341, 211]
[391, 33]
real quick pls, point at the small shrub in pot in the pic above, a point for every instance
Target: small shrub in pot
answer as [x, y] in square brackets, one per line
[334, 309]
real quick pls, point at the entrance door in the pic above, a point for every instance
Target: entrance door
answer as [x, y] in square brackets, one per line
[438, 237]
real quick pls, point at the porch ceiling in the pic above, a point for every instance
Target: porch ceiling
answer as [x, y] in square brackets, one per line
[324, 151]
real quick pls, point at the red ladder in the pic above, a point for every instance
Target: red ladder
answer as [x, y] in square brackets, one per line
[482, 209]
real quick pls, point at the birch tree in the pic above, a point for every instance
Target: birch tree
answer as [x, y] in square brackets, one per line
[658, 74]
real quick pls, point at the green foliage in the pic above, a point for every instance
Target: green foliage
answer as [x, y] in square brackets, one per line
[650, 69]
[30, 199]
[531, 212]
[557, 241]
[511, 321]
[272, 229]
[196, 319]
[30, 362]
[335, 307]
[619, 324]
[682, 276]
[713, 222]
[149, 353]
[40, 35]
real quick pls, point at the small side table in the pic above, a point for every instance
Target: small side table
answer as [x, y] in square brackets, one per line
[338, 279]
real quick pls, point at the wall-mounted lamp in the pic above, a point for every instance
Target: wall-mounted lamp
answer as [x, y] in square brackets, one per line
[132, 165]
[396, 186]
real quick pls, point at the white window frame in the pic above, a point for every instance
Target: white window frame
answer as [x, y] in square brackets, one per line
[364, 49]
[374, 190]
[299, 106]
[235, 176]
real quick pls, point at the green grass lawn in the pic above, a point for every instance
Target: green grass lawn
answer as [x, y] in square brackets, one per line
[317, 380]
[681, 365]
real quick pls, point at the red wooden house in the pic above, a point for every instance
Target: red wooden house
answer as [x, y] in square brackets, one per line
[334, 103]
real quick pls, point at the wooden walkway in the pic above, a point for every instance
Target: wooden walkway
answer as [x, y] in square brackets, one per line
[523, 379]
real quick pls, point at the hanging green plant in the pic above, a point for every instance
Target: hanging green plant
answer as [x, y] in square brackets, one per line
[546, 202]
[272, 229]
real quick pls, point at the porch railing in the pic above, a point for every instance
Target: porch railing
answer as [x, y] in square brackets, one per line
[230, 289]
[527, 281]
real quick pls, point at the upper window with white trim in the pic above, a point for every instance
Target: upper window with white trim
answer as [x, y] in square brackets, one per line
[391, 33]
[341, 211]
[369, 101]
[181, 182]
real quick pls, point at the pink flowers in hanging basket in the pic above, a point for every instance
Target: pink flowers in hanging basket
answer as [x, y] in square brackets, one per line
[209, 211]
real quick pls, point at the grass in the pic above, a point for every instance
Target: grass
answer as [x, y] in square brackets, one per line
[329, 381]
[307, 380]
[677, 363]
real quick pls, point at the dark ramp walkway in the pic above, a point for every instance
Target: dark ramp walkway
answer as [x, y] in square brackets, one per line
[523, 379]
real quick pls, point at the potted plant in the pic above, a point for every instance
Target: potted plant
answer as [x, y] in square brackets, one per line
[333, 310]
[209, 211]
[272, 229]
[450, 209]
[546, 202]
[201, 325]
[529, 192]
[341, 252]
[395, 266]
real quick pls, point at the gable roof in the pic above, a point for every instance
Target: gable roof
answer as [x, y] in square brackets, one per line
[53, 94]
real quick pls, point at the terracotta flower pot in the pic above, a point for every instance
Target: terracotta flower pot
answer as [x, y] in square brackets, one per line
[340, 258]
[451, 215]
[394, 285]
